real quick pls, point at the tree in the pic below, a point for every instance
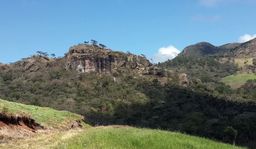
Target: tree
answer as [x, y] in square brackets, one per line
[94, 42]
[86, 42]
[41, 53]
[254, 61]
[231, 133]
[102, 46]
[53, 55]
[143, 55]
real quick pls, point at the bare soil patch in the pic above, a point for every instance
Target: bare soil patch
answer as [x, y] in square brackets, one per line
[14, 127]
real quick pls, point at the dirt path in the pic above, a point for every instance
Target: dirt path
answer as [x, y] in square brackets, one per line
[47, 139]
[42, 140]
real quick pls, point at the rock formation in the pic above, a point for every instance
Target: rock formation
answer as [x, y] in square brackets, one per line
[92, 58]
[34, 63]
[183, 80]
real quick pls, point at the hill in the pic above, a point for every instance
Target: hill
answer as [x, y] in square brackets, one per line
[206, 49]
[208, 63]
[108, 87]
[89, 137]
[229, 46]
[246, 49]
[200, 49]
[121, 137]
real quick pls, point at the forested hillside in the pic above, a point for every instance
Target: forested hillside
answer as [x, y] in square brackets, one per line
[190, 93]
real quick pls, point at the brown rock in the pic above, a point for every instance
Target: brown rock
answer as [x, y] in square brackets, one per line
[183, 80]
[90, 58]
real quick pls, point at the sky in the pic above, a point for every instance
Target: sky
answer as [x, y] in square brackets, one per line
[159, 29]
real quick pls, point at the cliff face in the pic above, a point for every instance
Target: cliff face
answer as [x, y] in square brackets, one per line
[91, 58]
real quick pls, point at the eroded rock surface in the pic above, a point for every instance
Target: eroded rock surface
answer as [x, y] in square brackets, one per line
[34, 63]
[91, 58]
[14, 126]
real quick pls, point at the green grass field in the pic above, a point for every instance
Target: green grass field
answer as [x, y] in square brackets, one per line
[45, 116]
[237, 80]
[112, 137]
[109, 137]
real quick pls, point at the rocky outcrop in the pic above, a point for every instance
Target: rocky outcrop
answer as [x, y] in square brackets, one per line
[34, 63]
[92, 58]
[183, 80]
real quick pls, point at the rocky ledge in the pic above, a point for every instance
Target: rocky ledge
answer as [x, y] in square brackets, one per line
[92, 58]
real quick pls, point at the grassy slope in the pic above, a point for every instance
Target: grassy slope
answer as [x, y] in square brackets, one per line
[47, 117]
[133, 138]
[111, 137]
[237, 80]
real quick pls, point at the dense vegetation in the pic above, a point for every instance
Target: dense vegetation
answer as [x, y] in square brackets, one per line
[207, 69]
[204, 73]
[205, 106]
[209, 75]
[248, 89]
[133, 100]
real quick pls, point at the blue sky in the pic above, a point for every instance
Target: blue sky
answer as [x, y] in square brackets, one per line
[156, 28]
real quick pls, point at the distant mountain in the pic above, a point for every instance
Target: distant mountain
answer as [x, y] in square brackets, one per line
[200, 49]
[247, 50]
[243, 50]
[230, 46]
[242, 55]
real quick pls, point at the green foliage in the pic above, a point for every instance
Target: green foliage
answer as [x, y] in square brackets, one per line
[254, 61]
[248, 89]
[231, 134]
[205, 108]
[206, 69]
[204, 73]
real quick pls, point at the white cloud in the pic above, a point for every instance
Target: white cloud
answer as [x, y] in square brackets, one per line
[246, 37]
[166, 53]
